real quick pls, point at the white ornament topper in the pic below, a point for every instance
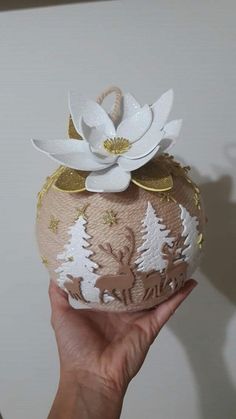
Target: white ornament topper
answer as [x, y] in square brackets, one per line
[155, 236]
[111, 152]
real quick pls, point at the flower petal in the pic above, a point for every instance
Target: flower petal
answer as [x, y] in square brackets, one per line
[146, 144]
[76, 105]
[108, 158]
[165, 145]
[128, 164]
[170, 133]
[113, 179]
[162, 107]
[130, 106]
[172, 129]
[59, 146]
[134, 127]
[84, 129]
[94, 116]
[84, 160]
[95, 137]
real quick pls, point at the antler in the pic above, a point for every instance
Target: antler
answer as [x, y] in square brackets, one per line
[170, 252]
[127, 250]
[175, 246]
[108, 250]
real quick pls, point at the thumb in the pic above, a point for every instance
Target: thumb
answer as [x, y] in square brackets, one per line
[58, 297]
[163, 312]
[157, 317]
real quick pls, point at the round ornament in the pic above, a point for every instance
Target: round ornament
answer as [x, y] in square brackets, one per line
[120, 224]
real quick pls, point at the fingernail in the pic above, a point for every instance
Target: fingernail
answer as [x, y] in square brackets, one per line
[195, 283]
[190, 285]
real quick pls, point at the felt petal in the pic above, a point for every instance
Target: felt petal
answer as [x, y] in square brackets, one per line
[172, 129]
[162, 107]
[113, 179]
[59, 146]
[95, 137]
[76, 105]
[81, 161]
[95, 116]
[84, 129]
[128, 164]
[146, 144]
[130, 106]
[108, 158]
[165, 145]
[134, 127]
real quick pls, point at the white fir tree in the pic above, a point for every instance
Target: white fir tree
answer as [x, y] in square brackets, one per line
[155, 235]
[77, 262]
[190, 232]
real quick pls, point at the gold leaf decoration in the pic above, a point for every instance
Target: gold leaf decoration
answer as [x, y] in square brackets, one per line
[71, 180]
[176, 169]
[172, 166]
[153, 177]
[72, 131]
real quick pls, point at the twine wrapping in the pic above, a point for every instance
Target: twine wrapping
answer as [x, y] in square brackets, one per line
[130, 207]
[115, 113]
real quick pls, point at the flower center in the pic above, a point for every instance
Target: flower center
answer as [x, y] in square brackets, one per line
[117, 145]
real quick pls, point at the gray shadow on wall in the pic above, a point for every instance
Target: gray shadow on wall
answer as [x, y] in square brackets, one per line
[203, 332]
[27, 4]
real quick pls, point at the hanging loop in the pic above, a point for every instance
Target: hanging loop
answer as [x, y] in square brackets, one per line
[115, 113]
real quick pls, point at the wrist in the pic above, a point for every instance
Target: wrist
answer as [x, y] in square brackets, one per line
[85, 398]
[83, 379]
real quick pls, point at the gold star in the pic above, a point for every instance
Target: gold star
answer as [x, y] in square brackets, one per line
[110, 217]
[44, 260]
[70, 259]
[167, 197]
[53, 224]
[81, 212]
[200, 240]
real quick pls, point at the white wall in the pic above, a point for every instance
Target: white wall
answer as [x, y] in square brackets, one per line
[145, 47]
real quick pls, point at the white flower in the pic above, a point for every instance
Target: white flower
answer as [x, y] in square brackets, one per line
[110, 152]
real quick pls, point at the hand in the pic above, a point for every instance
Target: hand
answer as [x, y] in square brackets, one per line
[103, 351]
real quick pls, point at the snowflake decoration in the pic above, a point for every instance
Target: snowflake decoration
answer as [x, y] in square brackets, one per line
[110, 218]
[167, 197]
[44, 261]
[53, 224]
[81, 212]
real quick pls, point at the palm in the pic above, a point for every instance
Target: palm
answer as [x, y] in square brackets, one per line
[111, 346]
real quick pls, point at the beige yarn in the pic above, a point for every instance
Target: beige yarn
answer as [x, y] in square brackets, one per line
[130, 207]
[116, 109]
